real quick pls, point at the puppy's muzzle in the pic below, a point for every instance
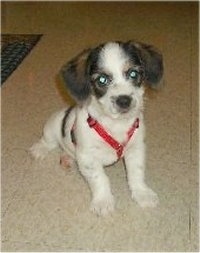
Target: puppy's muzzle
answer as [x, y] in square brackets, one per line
[124, 102]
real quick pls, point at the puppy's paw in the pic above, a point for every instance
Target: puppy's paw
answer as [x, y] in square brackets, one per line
[38, 150]
[67, 162]
[102, 206]
[145, 197]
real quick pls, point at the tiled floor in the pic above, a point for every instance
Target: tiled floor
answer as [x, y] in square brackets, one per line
[45, 208]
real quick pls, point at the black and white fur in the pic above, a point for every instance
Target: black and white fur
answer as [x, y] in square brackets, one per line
[107, 83]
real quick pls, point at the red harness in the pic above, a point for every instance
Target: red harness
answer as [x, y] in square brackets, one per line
[119, 147]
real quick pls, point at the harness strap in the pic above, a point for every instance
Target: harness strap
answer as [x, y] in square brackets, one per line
[119, 147]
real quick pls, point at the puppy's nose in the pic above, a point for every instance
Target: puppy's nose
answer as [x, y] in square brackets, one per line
[123, 101]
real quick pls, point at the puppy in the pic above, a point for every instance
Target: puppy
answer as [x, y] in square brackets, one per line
[108, 83]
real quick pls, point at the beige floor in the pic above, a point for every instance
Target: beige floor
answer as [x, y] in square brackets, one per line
[45, 208]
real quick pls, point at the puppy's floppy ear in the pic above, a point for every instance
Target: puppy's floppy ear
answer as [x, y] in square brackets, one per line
[153, 63]
[75, 76]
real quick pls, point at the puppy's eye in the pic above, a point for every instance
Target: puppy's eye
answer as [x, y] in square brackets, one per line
[102, 80]
[132, 74]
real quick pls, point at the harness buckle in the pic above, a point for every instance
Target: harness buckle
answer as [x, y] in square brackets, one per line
[119, 151]
[91, 122]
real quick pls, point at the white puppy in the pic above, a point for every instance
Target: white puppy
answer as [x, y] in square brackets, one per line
[107, 123]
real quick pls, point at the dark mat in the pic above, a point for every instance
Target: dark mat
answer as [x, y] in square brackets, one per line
[14, 48]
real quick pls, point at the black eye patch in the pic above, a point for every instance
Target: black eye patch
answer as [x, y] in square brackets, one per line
[103, 80]
[100, 84]
[99, 91]
[135, 75]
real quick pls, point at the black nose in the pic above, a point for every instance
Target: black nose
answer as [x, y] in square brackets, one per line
[123, 101]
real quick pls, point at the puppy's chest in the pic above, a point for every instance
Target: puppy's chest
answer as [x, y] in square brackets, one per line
[107, 150]
[101, 150]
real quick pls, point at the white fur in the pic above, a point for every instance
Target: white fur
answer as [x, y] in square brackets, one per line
[91, 152]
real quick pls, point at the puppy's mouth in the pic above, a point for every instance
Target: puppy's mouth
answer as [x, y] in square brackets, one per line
[123, 111]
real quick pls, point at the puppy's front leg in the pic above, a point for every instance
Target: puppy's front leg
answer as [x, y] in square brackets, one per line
[135, 165]
[103, 201]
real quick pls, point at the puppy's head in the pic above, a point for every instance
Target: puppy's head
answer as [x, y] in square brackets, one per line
[114, 74]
